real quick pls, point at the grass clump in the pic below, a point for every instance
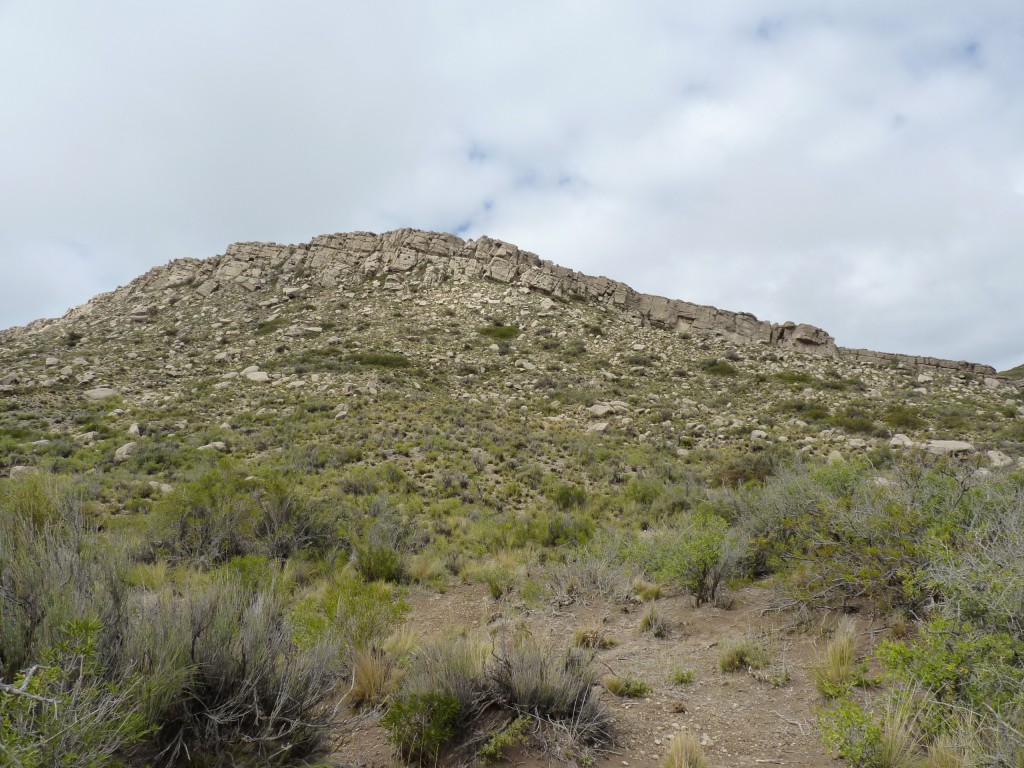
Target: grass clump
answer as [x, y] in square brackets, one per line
[592, 637]
[499, 331]
[625, 686]
[684, 751]
[750, 653]
[718, 367]
[654, 622]
[835, 674]
[380, 360]
[681, 676]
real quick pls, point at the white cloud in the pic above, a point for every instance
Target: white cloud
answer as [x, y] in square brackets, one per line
[857, 166]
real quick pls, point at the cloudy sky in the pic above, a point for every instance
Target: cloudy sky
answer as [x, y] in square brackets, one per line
[857, 165]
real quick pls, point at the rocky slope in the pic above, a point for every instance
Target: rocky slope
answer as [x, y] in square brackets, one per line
[433, 318]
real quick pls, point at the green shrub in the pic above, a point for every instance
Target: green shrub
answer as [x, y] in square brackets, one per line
[380, 359]
[499, 332]
[67, 715]
[421, 724]
[695, 554]
[494, 751]
[717, 367]
[568, 496]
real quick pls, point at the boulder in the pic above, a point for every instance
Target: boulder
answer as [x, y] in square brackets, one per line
[23, 471]
[125, 452]
[999, 459]
[901, 441]
[948, 447]
[100, 393]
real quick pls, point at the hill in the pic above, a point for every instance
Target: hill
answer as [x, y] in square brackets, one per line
[288, 452]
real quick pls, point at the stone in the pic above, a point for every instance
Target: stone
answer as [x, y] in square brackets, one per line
[23, 471]
[257, 376]
[998, 459]
[600, 426]
[158, 486]
[100, 393]
[600, 409]
[52, 361]
[216, 445]
[758, 434]
[133, 430]
[9, 379]
[125, 452]
[948, 447]
[901, 441]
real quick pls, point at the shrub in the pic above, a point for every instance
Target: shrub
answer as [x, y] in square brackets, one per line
[568, 496]
[533, 679]
[511, 735]
[380, 359]
[65, 714]
[716, 367]
[499, 332]
[696, 554]
[420, 725]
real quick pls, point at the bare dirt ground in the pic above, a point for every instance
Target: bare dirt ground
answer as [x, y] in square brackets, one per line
[742, 722]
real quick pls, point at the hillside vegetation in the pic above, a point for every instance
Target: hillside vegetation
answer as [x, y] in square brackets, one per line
[235, 497]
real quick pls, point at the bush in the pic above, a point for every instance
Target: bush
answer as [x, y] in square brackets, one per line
[499, 332]
[420, 724]
[64, 713]
[696, 554]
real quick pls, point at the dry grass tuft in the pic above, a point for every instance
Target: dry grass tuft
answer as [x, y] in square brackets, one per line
[653, 622]
[373, 678]
[646, 590]
[835, 674]
[592, 637]
[684, 751]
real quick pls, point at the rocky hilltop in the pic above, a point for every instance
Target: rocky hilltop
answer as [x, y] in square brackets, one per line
[357, 320]
[412, 258]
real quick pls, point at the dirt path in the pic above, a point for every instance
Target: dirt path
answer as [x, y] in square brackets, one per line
[741, 721]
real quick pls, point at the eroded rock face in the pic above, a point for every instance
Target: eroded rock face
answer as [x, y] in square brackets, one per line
[431, 259]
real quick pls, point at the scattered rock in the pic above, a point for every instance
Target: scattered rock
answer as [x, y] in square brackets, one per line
[100, 393]
[948, 447]
[901, 441]
[999, 459]
[125, 452]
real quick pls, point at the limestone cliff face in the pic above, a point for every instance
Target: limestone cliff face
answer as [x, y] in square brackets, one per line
[330, 262]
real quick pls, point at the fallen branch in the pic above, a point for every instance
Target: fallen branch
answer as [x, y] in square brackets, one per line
[20, 690]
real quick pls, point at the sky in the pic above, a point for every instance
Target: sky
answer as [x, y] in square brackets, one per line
[853, 164]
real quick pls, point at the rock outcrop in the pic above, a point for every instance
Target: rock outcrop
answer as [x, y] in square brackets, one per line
[429, 259]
